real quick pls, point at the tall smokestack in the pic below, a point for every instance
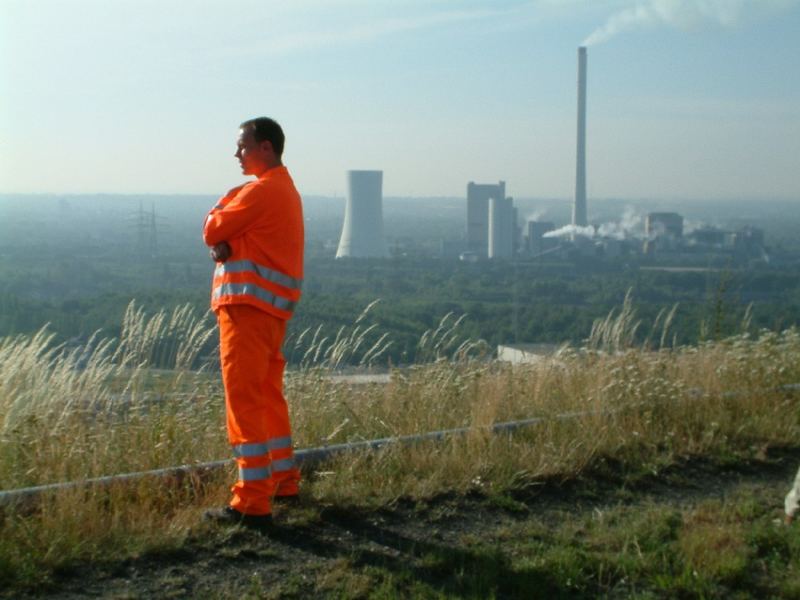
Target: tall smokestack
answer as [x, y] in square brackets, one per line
[579, 207]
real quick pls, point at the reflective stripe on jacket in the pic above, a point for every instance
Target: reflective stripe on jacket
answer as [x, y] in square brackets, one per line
[262, 222]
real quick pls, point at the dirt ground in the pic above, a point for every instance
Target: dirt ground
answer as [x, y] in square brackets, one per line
[313, 545]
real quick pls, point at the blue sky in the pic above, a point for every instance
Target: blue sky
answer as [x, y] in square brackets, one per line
[687, 98]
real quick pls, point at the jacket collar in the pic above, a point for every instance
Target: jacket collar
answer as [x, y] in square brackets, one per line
[273, 172]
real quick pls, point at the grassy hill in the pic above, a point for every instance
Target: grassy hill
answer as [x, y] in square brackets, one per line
[555, 508]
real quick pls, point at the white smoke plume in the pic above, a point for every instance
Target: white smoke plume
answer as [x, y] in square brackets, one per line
[688, 15]
[631, 225]
[536, 215]
[569, 230]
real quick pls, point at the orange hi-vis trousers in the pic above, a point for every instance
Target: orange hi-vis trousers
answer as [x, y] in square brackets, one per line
[256, 411]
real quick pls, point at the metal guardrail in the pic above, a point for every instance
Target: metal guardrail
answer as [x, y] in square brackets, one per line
[310, 456]
[305, 457]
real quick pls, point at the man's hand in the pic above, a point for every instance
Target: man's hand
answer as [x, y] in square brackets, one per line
[221, 252]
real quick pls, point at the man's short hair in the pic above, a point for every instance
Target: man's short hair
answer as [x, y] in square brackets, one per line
[266, 130]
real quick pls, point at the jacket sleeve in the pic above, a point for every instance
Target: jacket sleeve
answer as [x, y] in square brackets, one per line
[235, 217]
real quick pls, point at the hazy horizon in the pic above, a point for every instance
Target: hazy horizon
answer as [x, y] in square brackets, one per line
[417, 217]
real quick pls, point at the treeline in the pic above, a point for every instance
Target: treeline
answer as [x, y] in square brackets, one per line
[503, 302]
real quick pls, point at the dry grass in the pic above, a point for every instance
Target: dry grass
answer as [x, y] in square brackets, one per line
[103, 409]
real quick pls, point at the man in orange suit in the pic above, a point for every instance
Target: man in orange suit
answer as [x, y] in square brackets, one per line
[255, 233]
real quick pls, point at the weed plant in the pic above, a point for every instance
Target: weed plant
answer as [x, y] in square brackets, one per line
[103, 408]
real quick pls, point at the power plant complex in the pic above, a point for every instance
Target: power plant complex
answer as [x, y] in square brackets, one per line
[491, 227]
[492, 230]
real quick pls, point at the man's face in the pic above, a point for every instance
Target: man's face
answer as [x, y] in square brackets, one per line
[254, 157]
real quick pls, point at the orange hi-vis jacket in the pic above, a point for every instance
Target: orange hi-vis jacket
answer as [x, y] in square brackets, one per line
[262, 221]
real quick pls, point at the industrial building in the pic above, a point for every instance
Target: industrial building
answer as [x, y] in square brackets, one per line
[535, 242]
[478, 195]
[659, 224]
[711, 236]
[501, 228]
[491, 221]
[748, 243]
[362, 232]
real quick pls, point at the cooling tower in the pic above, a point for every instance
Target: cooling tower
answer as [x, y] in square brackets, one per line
[362, 233]
[579, 207]
[501, 227]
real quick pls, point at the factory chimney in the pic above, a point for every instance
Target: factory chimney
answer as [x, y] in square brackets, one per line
[579, 206]
[362, 233]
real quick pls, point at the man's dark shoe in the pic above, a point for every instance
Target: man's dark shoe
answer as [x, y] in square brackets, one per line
[230, 516]
[288, 501]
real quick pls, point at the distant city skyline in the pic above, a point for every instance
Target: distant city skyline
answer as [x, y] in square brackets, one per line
[686, 98]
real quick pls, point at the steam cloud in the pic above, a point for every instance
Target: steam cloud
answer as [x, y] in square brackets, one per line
[536, 215]
[687, 15]
[569, 230]
[630, 226]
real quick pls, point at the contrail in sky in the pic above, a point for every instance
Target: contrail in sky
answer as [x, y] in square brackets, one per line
[687, 15]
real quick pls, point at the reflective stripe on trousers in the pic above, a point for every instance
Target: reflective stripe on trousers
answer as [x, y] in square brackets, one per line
[264, 450]
[257, 415]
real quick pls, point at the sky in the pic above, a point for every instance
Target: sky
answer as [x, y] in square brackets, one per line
[686, 98]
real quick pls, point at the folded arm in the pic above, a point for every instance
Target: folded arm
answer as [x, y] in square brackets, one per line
[234, 218]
